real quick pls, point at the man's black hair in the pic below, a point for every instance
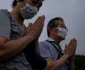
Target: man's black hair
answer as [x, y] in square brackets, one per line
[52, 24]
[14, 3]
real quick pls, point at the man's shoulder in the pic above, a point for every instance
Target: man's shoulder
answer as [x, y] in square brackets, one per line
[44, 42]
[4, 13]
[3, 10]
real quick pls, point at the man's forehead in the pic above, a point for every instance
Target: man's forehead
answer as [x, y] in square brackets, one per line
[59, 22]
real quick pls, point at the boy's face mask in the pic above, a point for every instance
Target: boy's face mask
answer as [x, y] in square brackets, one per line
[62, 32]
[28, 11]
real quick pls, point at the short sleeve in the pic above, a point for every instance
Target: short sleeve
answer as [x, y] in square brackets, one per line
[4, 25]
[44, 50]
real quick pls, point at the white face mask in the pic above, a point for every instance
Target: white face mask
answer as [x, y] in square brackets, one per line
[62, 32]
[28, 11]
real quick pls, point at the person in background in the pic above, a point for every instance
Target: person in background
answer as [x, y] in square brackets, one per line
[15, 37]
[50, 49]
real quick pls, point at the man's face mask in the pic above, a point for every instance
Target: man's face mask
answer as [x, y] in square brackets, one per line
[28, 11]
[62, 32]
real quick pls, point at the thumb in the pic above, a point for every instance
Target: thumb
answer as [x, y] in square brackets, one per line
[30, 24]
[28, 27]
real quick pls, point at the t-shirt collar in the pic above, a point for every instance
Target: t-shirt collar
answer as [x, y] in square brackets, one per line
[50, 39]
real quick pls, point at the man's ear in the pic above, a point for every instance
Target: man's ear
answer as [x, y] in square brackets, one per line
[51, 30]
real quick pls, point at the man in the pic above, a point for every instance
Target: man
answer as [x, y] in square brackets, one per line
[50, 49]
[15, 37]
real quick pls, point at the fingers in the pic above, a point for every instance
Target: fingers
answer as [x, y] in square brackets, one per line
[40, 20]
[73, 42]
[71, 48]
[39, 23]
[35, 29]
[30, 24]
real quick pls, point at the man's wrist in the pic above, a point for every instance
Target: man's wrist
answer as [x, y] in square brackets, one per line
[28, 38]
[72, 58]
[67, 55]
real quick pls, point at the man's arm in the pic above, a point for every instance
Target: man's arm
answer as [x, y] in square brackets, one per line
[33, 56]
[56, 65]
[71, 65]
[13, 47]
[69, 51]
[37, 46]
